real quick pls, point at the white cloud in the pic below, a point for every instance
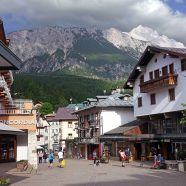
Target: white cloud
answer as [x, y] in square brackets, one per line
[179, 1]
[122, 14]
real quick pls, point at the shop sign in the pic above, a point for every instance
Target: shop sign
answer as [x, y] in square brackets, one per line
[19, 122]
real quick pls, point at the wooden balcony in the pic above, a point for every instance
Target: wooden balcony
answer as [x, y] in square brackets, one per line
[158, 83]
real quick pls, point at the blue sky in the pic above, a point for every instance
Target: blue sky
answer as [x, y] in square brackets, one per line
[167, 17]
[177, 5]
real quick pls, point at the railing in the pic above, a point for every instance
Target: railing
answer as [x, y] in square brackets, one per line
[161, 82]
[15, 111]
[89, 140]
[40, 125]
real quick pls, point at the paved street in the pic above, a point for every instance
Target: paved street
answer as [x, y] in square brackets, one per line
[83, 173]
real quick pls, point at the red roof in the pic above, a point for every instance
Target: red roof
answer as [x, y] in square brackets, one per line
[64, 113]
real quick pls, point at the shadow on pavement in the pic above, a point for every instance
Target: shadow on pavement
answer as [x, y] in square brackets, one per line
[153, 179]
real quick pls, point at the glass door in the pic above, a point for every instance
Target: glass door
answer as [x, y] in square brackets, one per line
[7, 148]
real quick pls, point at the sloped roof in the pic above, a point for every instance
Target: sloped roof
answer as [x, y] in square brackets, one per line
[64, 113]
[110, 101]
[79, 105]
[148, 54]
[124, 128]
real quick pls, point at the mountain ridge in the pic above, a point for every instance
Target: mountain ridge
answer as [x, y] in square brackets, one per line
[97, 53]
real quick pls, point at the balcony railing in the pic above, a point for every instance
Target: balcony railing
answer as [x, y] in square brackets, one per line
[161, 82]
[14, 111]
[88, 140]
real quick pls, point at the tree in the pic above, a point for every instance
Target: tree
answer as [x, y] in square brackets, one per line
[46, 108]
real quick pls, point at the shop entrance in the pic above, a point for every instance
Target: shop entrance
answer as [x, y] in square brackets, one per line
[90, 150]
[7, 148]
[137, 153]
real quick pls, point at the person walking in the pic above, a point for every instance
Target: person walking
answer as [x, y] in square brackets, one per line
[45, 156]
[51, 159]
[60, 156]
[94, 155]
[127, 153]
[123, 157]
[40, 154]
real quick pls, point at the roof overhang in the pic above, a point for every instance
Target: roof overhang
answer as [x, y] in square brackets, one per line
[6, 129]
[148, 54]
[8, 60]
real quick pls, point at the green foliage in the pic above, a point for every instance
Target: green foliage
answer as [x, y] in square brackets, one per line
[183, 119]
[91, 45]
[105, 58]
[46, 108]
[58, 88]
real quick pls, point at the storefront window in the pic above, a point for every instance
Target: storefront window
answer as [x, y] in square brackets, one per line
[7, 148]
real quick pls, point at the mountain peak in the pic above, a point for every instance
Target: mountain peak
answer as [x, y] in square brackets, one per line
[147, 34]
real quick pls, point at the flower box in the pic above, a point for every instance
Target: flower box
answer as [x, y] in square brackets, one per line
[4, 181]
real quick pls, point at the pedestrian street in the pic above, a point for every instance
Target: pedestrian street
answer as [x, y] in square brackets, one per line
[84, 173]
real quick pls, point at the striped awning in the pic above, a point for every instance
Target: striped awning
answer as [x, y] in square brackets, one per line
[6, 129]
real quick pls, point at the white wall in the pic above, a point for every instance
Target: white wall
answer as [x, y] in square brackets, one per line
[114, 118]
[163, 104]
[26, 148]
[66, 130]
[22, 147]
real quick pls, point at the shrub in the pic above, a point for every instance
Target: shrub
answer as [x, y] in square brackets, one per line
[4, 181]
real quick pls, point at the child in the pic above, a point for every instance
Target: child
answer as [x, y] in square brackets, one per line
[51, 158]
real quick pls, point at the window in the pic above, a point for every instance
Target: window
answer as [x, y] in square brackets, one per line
[171, 68]
[140, 102]
[151, 75]
[171, 94]
[153, 99]
[59, 130]
[164, 71]
[156, 73]
[46, 130]
[183, 64]
[70, 136]
[164, 56]
[70, 125]
[141, 79]
[46, 137]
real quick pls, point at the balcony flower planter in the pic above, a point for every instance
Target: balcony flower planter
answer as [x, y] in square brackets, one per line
[4, 181]
[22, 165]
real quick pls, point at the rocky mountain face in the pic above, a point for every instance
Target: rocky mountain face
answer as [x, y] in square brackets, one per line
[84, 51]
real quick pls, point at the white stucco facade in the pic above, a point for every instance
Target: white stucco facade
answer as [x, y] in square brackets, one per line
[68, 131]
[163, 104]
[26, 148]
[22, 147]
[111, 119]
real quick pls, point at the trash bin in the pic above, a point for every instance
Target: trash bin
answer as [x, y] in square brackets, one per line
[181, 166]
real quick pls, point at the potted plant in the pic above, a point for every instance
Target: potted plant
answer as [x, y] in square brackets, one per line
[4, 181]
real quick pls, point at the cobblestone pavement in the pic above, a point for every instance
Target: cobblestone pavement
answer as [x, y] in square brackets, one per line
[83, 173]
